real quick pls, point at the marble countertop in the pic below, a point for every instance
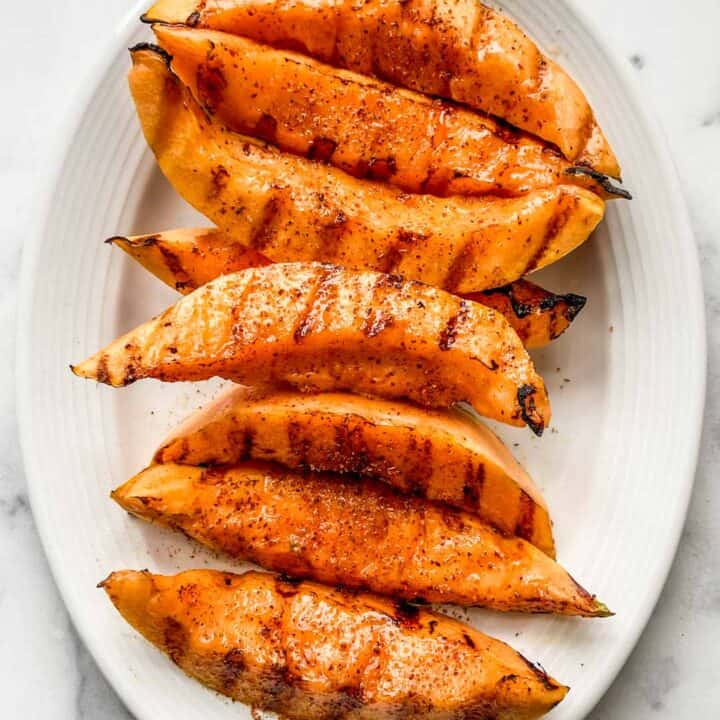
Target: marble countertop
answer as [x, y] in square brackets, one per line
[47, 54]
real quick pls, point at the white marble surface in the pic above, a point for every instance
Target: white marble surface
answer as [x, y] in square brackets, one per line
[47, 53]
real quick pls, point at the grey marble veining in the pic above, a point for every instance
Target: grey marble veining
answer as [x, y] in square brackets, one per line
[46, 671]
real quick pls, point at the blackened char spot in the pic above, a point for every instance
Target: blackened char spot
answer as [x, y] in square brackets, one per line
[575, 304]
[322, 149]
[469, 641]
[521, 310]
[539, 672]
[287, 586]
[450, 331]
[145, 241]
[603, 180]
[528, 411]
[550, 302]
[288, 580]
[164, 54]
[193, 19]
[406, 615]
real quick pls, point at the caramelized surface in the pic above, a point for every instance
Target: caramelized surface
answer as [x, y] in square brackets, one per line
[458, 49]
[290, 208]
[319, 327]
[187, 258]
[440, 455]
[357, 533]
[365, 127]
[313, 653]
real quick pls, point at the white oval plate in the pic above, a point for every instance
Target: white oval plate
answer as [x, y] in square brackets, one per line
[627, 385]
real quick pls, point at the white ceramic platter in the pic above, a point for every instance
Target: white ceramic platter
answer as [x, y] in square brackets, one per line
[627, 385]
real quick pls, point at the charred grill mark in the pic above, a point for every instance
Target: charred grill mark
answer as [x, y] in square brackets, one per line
[469, 641]
[306, 321]
[526, 517]
[211, 86]
[603, 180]
[220, 177]
[422, 468]
[405, 241]
[174, 264]
[376, 322]
[265, 231]
[557, 222]
[535, 258]
[331, 235]
[473, 487]
[351, 449]
[528, 411]
[450, 331]
[322, 149]
[458, 267]
[266, 128]
[175, 640]
[243, 441]
[304, 326]
[300, 445]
